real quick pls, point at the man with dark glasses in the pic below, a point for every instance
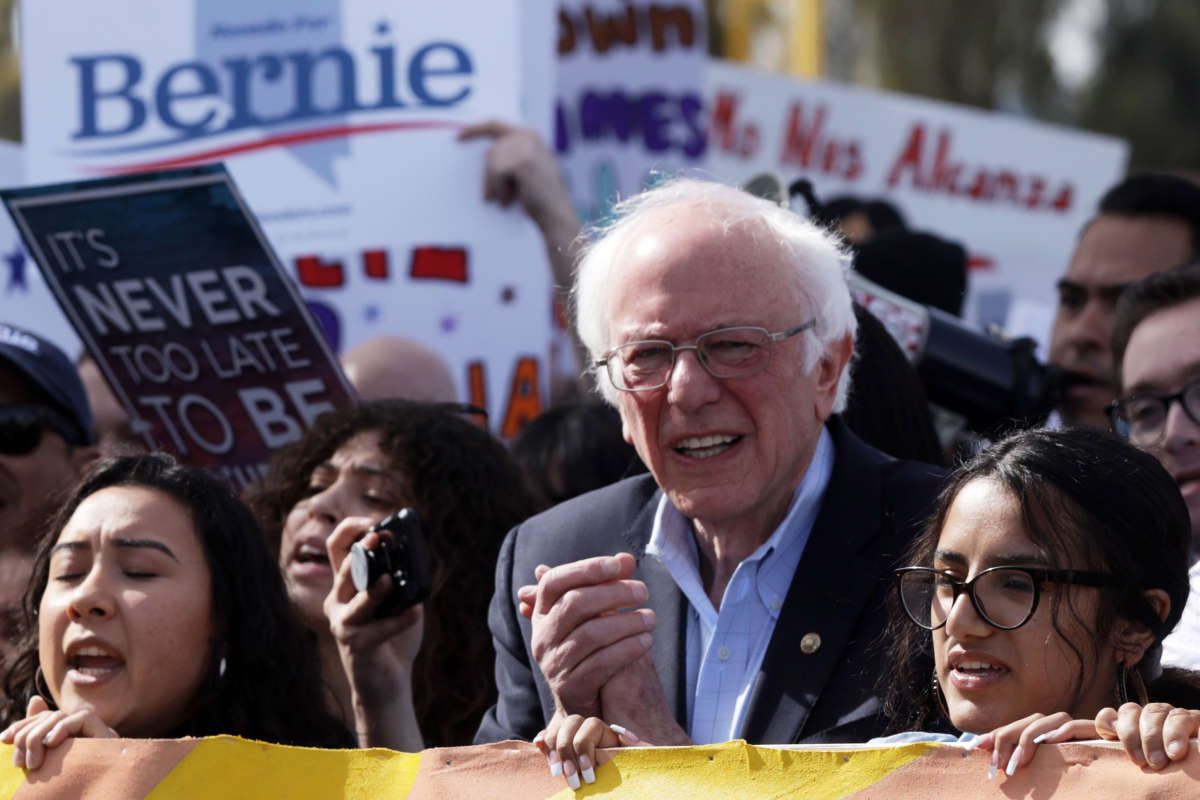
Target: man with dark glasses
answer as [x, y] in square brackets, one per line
[1156, 341]
[46, 439]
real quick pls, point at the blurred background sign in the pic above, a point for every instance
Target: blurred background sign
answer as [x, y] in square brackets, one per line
[1014, 192]
[629, 95]
[622, 89]
[338, 120]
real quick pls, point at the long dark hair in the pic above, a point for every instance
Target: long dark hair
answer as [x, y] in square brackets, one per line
[468, 493]
[271, 687]
[1088, 501]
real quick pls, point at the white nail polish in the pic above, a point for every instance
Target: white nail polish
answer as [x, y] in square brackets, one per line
[555, 765]
[992, 770]
[589, 775]
[1043, 737]
[622, 731]
[573, 781]
[1013, 762]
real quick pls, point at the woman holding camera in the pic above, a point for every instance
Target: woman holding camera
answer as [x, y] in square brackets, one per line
[425, 675]
[155, 610]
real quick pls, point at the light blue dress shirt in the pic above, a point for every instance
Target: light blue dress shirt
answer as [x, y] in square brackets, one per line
[725, 648]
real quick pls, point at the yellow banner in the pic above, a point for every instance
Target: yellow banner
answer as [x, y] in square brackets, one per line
[228, 767]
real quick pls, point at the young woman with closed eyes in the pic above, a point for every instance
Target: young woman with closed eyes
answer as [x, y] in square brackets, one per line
[156, 610]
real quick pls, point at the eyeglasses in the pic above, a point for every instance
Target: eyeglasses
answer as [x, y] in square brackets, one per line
[21, 426]
[724, 353]
[1005, 597]
[1141, 419]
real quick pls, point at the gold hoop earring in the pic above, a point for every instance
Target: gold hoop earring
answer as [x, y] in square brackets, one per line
[940, 697]
[40, 677]
[1130, 679]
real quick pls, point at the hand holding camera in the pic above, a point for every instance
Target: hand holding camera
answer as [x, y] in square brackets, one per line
[402, 554]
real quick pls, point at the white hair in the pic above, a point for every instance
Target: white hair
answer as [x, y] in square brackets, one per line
[817, 256]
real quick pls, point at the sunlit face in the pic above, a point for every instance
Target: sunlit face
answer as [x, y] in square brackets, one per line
[724, 450]
[991, 677]
[1162, 356]
[126, 622]
[358, 480]
[1114, 250]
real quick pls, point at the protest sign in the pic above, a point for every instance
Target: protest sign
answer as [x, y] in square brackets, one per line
[630, 95]
[338, 119]
[1015, 193]
[225, 766]
[189, 316]
[629, 104]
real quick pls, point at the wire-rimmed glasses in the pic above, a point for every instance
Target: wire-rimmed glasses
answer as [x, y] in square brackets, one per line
[735, 352]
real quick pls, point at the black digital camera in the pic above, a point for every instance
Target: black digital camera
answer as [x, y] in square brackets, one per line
[403, 556]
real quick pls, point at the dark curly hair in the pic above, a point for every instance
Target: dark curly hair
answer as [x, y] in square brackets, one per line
[1089, 501]
[468, 493]
[271, 689]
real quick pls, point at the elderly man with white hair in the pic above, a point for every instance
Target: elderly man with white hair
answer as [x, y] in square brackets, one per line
[738, 590]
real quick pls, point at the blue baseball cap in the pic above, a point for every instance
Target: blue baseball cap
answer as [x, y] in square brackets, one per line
[49, 369]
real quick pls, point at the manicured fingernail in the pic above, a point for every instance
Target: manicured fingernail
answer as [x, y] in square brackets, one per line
[569, 774]
[994, 763]
[556, 767]
[1043, 737]
[971, 745]
[1013, 762]
[1176, 748]
[613, 568]
[586, 771]
[628, 734]
[18, 757]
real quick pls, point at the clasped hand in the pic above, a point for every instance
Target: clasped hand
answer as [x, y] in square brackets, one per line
[593, 644]
[42, 729]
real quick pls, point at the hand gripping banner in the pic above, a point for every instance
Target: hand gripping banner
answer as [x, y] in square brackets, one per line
[228, 767]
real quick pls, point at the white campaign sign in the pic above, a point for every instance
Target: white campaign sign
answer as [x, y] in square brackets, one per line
[337, 119]
[1015, 193]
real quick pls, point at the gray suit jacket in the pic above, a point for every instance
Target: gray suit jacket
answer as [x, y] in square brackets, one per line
[872, 508]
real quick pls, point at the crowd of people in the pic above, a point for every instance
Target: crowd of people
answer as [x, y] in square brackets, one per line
[749, 531]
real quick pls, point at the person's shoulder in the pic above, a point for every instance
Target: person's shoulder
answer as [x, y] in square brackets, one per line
[594, 521]
[623, 498]
[899, 475]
